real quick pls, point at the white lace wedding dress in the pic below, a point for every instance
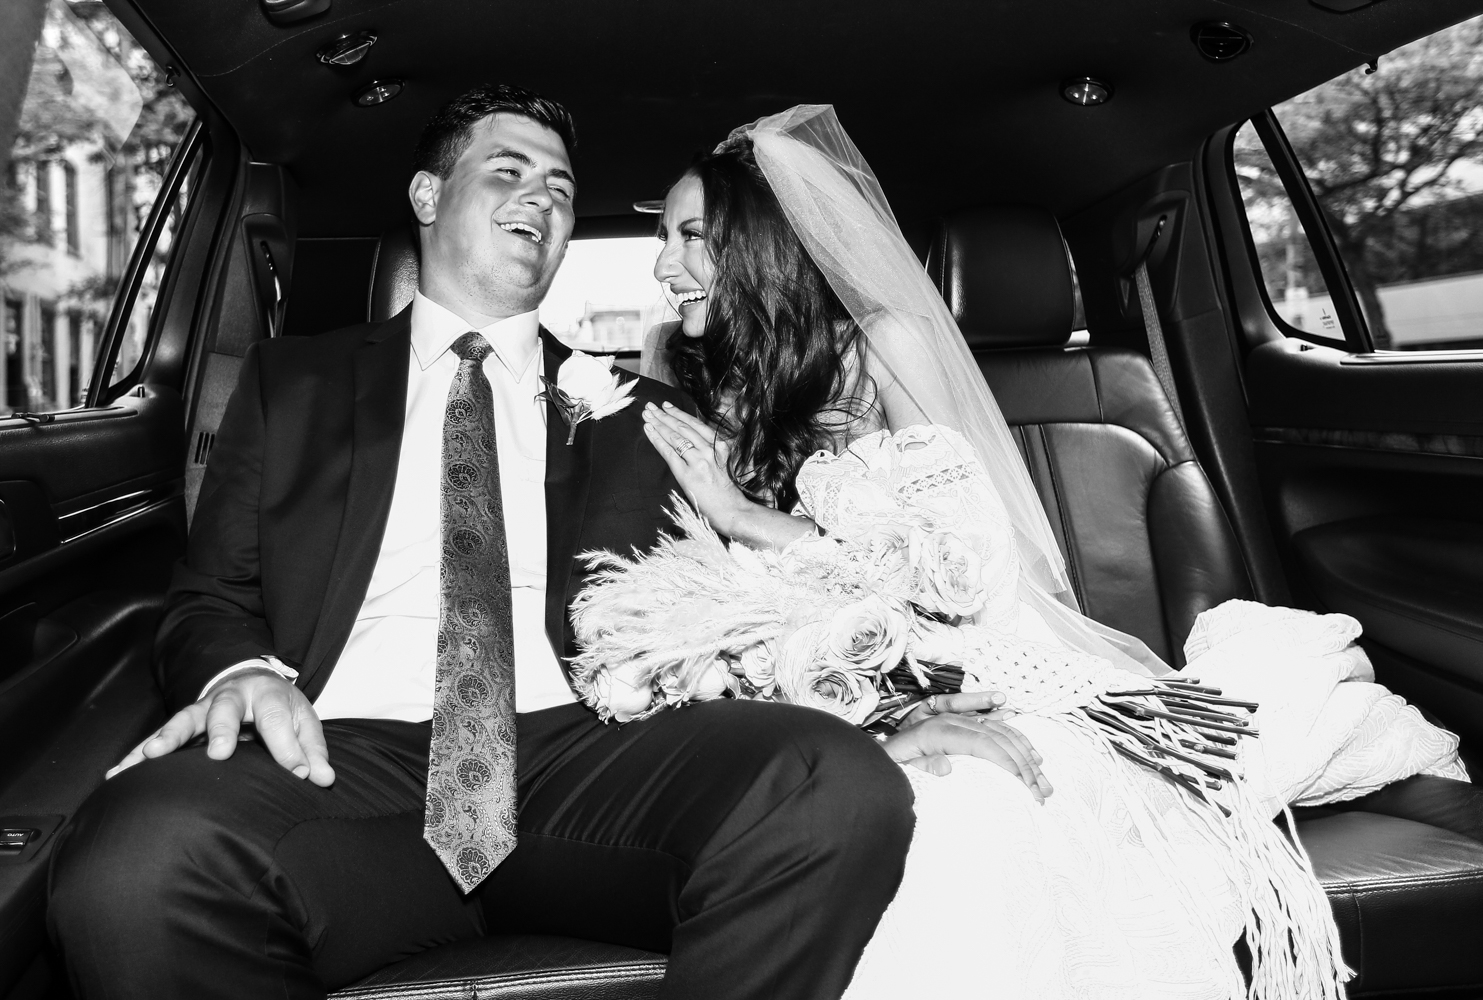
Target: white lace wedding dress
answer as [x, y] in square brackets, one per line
[1115, 887]
[1118, 886]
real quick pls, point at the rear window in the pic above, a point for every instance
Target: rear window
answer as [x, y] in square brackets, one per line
[605, 298]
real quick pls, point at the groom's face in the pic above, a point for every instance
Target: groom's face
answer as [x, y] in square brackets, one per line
[496, 228]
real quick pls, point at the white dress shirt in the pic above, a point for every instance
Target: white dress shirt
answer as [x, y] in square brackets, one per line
[389, 664]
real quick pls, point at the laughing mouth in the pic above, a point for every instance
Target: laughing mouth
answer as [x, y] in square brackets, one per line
[685, 298]
[523, 229]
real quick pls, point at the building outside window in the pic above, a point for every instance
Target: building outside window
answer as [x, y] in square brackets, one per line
[96, 133]
[44, 391]
[76, 383]
[42, 224]
[69, 177]
[14, 357]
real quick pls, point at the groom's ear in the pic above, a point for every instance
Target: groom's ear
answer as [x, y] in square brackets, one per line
[423, 193]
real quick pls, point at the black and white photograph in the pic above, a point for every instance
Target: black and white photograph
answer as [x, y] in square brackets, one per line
[741, 501]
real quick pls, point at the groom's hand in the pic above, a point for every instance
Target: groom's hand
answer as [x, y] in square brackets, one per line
[285, 721]
[971, 724]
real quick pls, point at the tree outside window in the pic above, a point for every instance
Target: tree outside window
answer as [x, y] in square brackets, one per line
[1395, 160]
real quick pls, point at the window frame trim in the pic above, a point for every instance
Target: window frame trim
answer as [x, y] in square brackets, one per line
[100, 391]
[1315, 228]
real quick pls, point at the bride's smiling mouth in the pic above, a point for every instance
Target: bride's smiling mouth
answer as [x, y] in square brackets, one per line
[524, 230]
[691, 297]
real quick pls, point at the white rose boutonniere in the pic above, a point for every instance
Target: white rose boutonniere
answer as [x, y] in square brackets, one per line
[586, 388]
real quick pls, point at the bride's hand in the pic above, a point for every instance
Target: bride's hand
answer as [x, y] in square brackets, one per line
[971, 724]
[700, 460]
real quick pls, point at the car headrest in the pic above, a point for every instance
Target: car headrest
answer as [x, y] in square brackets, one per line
[1003, 272]
[393, 275]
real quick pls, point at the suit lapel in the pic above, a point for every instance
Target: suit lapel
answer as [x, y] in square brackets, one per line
[568, 472]
[380, 374]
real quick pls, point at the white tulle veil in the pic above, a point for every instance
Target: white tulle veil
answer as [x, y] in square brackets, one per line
[836, 206]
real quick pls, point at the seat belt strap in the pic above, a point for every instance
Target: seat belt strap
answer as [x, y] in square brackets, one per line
[1158, 353]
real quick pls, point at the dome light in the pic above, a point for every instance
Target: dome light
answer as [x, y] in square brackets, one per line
[1086, 91]
[1220, 41]
[378, 92]
[347, 50]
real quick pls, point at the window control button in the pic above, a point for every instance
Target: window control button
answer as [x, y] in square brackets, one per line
[15, 840]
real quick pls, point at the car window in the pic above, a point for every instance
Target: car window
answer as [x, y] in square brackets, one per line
[1394, 156]
[97, 131]
[604, 298]
[1294, 284]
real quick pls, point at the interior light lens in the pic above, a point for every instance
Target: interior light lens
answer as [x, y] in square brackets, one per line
[347, 50]
[378, 92]
[1086, 91]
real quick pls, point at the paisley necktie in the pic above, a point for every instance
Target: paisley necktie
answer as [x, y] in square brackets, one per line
[470, 817]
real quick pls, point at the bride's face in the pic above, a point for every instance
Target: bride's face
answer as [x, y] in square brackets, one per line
[685, 264]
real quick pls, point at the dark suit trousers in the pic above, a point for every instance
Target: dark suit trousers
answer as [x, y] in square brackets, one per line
[758, 844]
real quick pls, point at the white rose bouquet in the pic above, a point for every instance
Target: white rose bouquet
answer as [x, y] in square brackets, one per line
[912, 592]
[827, 622]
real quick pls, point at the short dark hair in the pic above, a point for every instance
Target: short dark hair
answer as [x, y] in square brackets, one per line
[448, 132]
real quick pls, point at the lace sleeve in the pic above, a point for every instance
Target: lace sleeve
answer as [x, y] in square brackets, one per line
[654, 358]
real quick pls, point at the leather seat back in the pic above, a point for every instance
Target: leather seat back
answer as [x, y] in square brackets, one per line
[1147, 543]
[393, 275]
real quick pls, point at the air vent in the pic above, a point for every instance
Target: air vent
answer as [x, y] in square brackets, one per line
[1220, 41]
[202, 450]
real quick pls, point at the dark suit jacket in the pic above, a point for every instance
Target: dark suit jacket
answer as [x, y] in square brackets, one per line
[294, 504]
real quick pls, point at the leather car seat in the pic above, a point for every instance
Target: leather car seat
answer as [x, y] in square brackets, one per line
[393, 275]
[1146, 541]
[1149, 547]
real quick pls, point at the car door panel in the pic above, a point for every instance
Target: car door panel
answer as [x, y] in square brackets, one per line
[1373, 468]
[113, 712]
[92, 520]
[93, 507]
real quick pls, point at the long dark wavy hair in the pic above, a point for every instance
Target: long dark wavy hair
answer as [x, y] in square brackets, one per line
[770, 367]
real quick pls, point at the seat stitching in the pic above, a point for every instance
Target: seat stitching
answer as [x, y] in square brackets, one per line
[1097, 389]
[1406, 881]
[1055, 489]
[640, 970]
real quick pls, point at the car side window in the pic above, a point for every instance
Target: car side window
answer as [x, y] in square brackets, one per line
[97, 135]
[1393, 156]
[605, 298]
[1295, 287]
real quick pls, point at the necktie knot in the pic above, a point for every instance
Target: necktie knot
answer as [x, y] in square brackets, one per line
[472, 347]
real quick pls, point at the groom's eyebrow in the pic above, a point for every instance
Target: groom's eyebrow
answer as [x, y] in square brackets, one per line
[525, 160]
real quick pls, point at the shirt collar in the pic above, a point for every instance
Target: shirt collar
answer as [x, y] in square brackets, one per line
[516, 340]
